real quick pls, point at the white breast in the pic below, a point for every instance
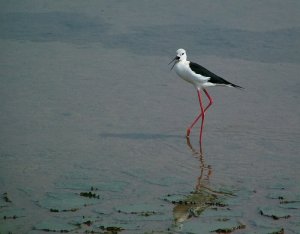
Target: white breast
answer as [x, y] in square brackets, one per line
[183, 70]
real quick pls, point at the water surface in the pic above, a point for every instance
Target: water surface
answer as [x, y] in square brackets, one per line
[93, 120]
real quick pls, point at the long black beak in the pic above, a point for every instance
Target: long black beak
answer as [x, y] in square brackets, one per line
[176, 58]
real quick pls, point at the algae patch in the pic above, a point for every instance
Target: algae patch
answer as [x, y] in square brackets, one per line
[140, 209]
[6, 198]
[111, 229]
[54, 225]
[89, 195]
[275, 213]
[63, 202]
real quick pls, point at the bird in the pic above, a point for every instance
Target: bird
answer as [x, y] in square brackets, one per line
[200, 78]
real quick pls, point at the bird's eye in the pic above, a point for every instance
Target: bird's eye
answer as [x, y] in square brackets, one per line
[182, 54]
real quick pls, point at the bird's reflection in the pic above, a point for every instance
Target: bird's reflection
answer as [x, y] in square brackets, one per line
[202, 196]
[205, 170]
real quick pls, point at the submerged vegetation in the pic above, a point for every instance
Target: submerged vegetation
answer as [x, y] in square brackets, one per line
[90, 195]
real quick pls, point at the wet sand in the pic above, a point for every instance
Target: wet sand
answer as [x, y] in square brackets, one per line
[93, 121]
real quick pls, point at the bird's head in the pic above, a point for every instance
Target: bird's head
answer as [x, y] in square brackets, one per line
[181, 56]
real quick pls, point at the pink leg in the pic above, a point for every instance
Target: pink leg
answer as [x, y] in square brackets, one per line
[202, 115]
[209, 98]
[198, 117]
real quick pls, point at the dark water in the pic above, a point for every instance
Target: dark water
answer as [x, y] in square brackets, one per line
[93, 121]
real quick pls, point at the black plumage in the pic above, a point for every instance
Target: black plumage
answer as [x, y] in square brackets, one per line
[215, 79]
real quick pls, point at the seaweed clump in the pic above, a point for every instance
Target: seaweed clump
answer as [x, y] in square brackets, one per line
[111, 229]
[6, 198]
[89, 195]
[229, 230]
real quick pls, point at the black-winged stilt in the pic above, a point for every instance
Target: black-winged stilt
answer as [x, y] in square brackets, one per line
[201, 78]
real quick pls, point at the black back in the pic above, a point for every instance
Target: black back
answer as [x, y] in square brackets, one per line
[198, 69]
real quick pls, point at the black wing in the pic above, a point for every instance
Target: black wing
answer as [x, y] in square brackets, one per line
[215, 79]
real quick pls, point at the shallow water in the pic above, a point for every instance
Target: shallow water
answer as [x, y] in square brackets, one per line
[93, 121]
